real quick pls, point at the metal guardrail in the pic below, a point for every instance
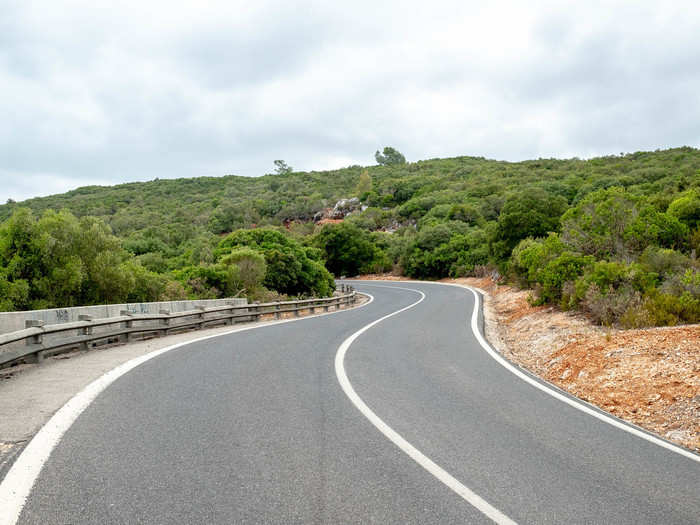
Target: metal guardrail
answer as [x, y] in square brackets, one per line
[43, 341]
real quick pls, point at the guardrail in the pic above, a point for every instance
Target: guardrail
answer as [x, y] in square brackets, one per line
[42, 341]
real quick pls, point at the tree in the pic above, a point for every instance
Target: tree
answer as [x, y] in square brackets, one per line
[60, 260]
[347, 249]
[442, 250]
[530, 213]
[389, 157]
[282, 168]
[291, 268]
[364, 185]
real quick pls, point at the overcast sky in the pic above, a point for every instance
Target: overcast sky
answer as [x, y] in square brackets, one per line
[135, 90]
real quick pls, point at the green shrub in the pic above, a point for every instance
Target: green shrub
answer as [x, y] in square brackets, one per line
[663, 261]
[532, 255]
[251, 267]
[653, 227]
[465, 213]
[532, 212]
[566, 267]
[668, 310]
[597, 224]
[14, 295]
[687, 209]
[147, 286]
[290, 270]
[449, 249]
[209, 282]
[154, 262]
[348, 250]
[606, 307]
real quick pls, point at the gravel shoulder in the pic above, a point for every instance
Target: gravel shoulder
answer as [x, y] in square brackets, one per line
[649, 377]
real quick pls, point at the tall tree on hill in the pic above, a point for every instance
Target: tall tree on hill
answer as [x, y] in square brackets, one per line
[389, 157]
[281, 167]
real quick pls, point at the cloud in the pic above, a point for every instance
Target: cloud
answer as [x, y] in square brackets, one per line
[93, 94]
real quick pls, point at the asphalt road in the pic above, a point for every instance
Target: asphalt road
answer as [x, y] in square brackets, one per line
[254, 427]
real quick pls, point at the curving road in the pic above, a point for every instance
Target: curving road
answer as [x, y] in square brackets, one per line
[254, 427]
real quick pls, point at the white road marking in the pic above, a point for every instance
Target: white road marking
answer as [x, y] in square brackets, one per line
[547, 388]
[577, 404]
[469, 496]
[17, 484]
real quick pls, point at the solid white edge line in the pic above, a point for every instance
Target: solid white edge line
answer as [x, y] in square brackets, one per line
[455, 485]
[561, 397]
[17, 485]
[545, 387]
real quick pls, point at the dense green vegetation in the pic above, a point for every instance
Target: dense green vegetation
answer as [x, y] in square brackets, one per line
[615, 236]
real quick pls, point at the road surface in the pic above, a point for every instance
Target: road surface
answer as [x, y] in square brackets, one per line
[254, 427]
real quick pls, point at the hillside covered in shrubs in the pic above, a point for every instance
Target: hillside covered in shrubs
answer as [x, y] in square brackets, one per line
[615, 236]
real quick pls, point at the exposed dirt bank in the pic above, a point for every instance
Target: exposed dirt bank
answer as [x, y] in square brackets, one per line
[649, 377]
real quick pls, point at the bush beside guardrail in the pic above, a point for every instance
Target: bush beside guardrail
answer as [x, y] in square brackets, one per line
[38, 340]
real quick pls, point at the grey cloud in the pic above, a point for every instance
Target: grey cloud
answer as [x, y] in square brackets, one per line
[147, 90]
[229, 59]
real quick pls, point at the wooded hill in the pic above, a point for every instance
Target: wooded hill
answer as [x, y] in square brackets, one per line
[616, 236]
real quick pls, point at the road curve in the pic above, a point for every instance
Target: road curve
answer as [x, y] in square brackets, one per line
[254, 427]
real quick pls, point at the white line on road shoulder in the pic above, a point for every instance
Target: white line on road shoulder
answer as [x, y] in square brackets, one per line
[576, 403]
[470, 497]
[17, 484]
[547, 388]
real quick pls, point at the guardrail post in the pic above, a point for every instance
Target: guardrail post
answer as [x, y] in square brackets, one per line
[253, 312]
[231, 320]
[201, 316]
[35, 339]
[34, 323]
[325, 306]
[164, 322]
[127, 324]
[257, 314]
[85, 330]
[277, 312]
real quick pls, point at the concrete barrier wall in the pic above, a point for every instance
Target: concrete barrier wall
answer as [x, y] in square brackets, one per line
[13, 321]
